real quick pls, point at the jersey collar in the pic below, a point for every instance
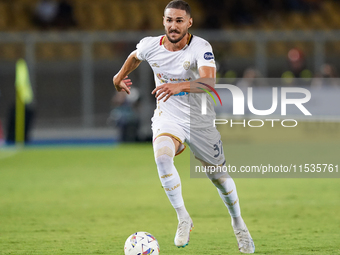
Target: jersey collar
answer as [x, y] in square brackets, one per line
[188, 42]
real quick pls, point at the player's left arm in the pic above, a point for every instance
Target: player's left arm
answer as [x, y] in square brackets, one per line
[207, 76]
[120, 80]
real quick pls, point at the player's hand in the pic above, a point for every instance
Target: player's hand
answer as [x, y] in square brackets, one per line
[123, 85]
[166, 90]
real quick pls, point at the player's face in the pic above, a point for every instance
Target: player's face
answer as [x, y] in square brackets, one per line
[176, 23]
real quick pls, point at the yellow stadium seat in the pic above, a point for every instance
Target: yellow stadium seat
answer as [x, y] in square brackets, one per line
[82, 13]
[277, 49]
[135, 14]
[333, 48]
[4, 19]
[316, 21]
[197, 14]
[11, 51]
[46, 51]
[69, 51]
[265, 25]
[116, 18]
[103, 51]
[242, 49]
[334, 21]
[296, 21]
[155, 19]
[98, 19]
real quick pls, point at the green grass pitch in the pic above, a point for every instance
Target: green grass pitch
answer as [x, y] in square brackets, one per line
[73, 200]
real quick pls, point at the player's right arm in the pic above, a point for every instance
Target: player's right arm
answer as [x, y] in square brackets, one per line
[120, 80]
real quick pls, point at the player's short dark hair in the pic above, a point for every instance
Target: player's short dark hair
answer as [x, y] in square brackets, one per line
[179, 4]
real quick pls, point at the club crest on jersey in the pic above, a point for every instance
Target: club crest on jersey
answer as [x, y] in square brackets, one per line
[186, 65]
[208, 56]
[155, 65]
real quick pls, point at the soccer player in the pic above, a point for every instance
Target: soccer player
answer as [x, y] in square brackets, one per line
[179, 59]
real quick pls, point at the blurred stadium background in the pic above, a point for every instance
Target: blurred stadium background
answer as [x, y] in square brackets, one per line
[73, 48]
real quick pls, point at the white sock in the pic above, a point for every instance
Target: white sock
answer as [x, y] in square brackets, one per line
[227, 190]
[164, 149]
[237, 222]
[182, 213]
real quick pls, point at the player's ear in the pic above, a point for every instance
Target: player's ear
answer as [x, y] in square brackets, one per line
[190, 22]
[163, 20]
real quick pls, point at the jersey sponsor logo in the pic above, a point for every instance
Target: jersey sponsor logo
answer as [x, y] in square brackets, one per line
[165, 79]
[162, 78]
[179, 79]
[181, 94]
[186, 65]
[208, 56]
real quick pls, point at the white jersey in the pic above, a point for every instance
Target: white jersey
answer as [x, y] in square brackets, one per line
[179, 66]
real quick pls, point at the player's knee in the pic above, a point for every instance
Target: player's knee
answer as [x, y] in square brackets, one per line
[218, 180]
[163, 161]
[164, 150]
[215, 181]
[217, 177]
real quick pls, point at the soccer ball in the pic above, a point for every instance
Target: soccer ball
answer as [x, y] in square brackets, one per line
[141, 243]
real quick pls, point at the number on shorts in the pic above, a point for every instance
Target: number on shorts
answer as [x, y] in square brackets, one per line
[218, 148]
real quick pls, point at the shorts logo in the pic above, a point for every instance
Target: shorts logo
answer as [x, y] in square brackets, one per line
[186, 65]
[208, 56]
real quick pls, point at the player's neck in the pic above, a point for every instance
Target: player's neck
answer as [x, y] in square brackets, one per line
[176, 46]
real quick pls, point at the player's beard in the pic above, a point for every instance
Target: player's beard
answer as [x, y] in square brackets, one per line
[177, 40]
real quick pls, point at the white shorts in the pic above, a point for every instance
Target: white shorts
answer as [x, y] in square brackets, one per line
[205, 144]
